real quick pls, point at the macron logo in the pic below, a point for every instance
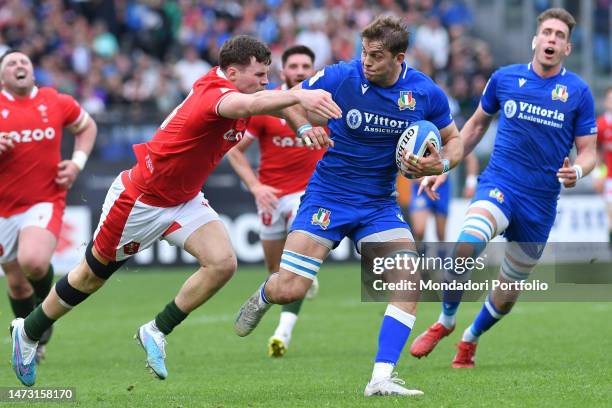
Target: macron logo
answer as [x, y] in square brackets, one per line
[364, 88]
[522, 82]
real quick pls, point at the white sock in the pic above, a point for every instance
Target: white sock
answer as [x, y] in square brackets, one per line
[382, 371]
[469, 336]
[285, 324]
[446, 320]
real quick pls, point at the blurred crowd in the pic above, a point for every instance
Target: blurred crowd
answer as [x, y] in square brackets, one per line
[143, 56]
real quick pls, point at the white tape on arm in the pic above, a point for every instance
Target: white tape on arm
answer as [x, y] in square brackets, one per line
[79, 158]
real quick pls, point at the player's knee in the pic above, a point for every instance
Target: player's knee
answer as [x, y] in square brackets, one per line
[99, 269]
[224, 265]
[34, 265]
[19, 289]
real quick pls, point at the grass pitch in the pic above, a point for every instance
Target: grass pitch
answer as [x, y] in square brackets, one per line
[542, 354]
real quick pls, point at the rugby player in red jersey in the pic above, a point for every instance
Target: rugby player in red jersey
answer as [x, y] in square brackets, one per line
[161, 198]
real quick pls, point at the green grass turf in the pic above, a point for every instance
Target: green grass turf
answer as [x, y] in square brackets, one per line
[543, 354]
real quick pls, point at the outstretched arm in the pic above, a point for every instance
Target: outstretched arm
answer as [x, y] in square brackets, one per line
[239, 105]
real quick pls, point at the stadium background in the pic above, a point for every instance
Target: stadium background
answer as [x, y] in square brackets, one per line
[130, 62]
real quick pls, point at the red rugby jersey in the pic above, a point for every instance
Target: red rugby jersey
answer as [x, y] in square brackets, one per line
[285, 163]
[604, 139]
[28, 170]
[173, 166]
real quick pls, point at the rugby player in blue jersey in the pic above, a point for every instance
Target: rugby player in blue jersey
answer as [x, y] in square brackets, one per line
[545, 110]
[351, 193]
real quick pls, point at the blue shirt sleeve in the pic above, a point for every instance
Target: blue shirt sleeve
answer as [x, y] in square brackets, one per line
[585, 123]
[439, 110]
[489, 101]
[328, 78]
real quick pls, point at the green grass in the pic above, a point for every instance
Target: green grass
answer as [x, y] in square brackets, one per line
[542, 355]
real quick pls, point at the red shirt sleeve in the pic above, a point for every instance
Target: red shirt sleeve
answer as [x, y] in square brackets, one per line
[70, 108]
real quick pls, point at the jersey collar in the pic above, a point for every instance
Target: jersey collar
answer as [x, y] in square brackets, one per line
[11, 98]
[220, 73]
[561, 73]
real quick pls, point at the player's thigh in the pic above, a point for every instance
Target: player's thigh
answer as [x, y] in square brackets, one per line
[490, 211]
[273, 249]
[441, 226]
[300, 261]
[418, 222]
[127, 225]
[197, 228]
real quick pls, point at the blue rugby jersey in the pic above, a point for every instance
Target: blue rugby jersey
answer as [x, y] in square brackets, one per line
[361, 168]
[539, 121]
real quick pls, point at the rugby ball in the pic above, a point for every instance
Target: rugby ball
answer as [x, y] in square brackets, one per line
[414, 140]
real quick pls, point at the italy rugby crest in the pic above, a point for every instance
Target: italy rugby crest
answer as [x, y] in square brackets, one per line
[496, 194]
[560, 93]
[321, 218]
[406, 101]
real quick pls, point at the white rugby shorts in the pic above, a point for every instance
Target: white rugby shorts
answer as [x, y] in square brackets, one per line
[128, 225]
[276, 224]
[47, 215]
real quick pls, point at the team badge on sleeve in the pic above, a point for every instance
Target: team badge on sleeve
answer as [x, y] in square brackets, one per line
[321, 218]
[496, 194]
[406, 101]
[560, 93]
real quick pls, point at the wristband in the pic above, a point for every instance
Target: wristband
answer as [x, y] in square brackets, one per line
[79, 158]
[578, 169]
[445, 165]
[471, 181]
[303, 129]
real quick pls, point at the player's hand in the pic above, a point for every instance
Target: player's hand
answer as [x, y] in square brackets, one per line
[67, 172]
[317, 138]
[567, 174]
[430, 185]
[320, 102]
[6, 144]
[266, 197]
[424, 166]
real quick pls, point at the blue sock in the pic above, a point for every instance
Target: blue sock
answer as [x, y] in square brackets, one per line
[452, 299]
[488, 316]
[394, 332]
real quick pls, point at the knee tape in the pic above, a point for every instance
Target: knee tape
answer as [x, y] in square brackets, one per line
[98, 268]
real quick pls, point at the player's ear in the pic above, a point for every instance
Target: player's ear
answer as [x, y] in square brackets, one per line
[568, 49]
[400, 57]
[232, 73]
[533, 43]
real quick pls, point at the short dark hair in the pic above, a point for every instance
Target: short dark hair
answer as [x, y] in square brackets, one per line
[297, 49]
[240, 49]
[391, 31]
[558, 14]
